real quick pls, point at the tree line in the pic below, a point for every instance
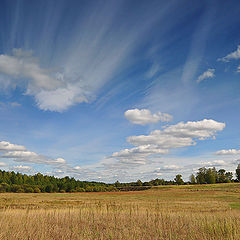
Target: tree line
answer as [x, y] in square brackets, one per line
[203, 176]
[17, 182]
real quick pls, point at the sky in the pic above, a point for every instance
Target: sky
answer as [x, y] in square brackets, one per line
[119, 90]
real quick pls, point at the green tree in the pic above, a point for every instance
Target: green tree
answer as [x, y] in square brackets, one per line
[4, 187]
[221, 176]
[29, 190]
[192, 179]
[201, 175]
[238, 172]
[117, 184]
[49, 188]
[229, 176]
[178, 179]
[13, 178]
[139, 183]
[37, 190]
[210, 177]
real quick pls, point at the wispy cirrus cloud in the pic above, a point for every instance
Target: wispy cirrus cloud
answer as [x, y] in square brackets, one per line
[91, 57]
[198, 44]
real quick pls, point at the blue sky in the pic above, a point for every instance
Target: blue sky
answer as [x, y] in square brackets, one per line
[119, 90]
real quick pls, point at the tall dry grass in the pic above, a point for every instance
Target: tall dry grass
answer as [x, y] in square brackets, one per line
[165, 213]
[118, 221]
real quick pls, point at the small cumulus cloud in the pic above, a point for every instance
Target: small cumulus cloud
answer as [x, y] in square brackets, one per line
[228, 152]
[207, 74]
[22, 168]
[179, 135]
[144, 116]
[162, 141]
[137, 155]
[231, 56]
[7, 146]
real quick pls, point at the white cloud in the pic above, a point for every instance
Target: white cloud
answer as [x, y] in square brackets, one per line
[170, 168]
[207, 74]
[7, 146]
[144, 116]
[22, 65]
[77, 168]
[179, 135]
[144, 149]
[20, 154]
[2, 164]
[60, 99]
[238, 69]
[32, 157]
[162, 141]
[231, 56]
[215, 163]
[236, 162]
[77, 72]
[137, 155]
[52, 91]
[228, 152]
[21, 168]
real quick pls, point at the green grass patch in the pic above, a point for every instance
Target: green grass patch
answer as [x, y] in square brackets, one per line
[235, 205]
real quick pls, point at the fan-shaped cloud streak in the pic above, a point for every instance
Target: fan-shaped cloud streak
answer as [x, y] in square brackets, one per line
[59, 77]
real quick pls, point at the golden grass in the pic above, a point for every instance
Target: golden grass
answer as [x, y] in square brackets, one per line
[184, 212]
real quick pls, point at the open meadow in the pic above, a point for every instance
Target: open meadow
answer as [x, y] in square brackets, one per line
[165, 212]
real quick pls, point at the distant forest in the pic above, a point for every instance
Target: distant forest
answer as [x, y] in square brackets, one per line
[17, 182]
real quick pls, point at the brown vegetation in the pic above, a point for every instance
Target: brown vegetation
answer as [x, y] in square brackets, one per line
[178, 212]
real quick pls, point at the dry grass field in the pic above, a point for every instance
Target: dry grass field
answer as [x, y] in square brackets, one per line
[166, 212]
